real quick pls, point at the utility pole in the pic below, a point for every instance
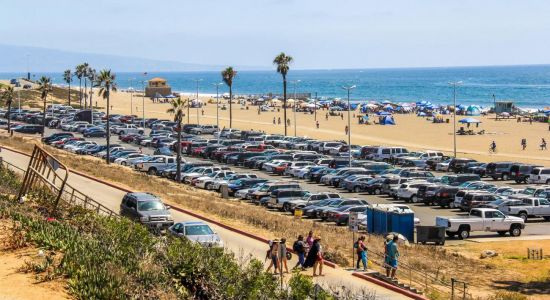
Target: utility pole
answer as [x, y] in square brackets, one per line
[348, 89]
[198, 102]
[295, 82]
[217, 103]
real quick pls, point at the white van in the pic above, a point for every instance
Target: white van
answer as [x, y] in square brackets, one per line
[385, 153]
[540, 175]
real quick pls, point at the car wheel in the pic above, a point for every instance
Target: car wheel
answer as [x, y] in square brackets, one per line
[524, 216]
[377, 191]
[124, 163]
[451, 204]
[286, 207]
[207, 186]
[357, 189]
[504, 176]
[122, 133]
[152, 171]
[501, 233]
[463, 234]
[548, 181]
[515, 231]
[547, 218]
[414, 199]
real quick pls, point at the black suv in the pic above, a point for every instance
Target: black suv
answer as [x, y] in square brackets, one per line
[31, 129]
[456, 180]
[521, 172]
[498, 170]
[445, 195]
[457, 165]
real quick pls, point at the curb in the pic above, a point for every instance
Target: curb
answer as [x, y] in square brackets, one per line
[389, 286]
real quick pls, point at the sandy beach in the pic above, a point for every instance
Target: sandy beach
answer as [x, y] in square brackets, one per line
[415, 133]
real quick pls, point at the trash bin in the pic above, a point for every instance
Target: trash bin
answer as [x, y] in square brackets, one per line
[430, 234]
[298, 213]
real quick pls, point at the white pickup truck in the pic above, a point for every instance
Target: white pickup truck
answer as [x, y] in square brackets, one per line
[531, 207]
[481, 219]
[129, 129]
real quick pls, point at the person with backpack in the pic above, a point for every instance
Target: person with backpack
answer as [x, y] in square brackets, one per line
[300, 248]
[361, 250]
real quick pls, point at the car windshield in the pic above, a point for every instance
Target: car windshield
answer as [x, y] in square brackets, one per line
[498, 201]
[150, 206]
[528, 191]
[198, 230]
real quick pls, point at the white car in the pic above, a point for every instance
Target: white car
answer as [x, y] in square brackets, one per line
[129, 128]
[303, 172]
[330, 147]
[540, 175]
[270, 166]
[224, 181]
[443, 166]
[293, 167]
[126, 161]
[205, 182]
[408, 190]
[72, 148]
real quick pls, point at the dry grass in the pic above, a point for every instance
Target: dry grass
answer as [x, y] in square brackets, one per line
[444, 263]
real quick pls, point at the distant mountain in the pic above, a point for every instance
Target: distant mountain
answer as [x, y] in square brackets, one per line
[14, 59]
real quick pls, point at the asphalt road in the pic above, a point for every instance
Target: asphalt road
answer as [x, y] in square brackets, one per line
[241, 245]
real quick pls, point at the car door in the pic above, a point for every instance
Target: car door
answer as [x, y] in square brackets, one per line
[493, 221]
[543, 208]
[131, 205]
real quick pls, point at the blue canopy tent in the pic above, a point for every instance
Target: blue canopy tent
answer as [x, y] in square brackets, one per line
[473, 110]
[469, 121]
[387, 120]
[421, 114]
[170, 96]
[383, 113]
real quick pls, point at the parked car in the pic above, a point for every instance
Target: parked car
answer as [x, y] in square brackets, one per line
[30, 129]
[481, 219]
[540, 175]
[499, 170]
[531, 208]
[521, 173]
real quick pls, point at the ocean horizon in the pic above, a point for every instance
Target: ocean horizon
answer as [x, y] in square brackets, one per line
[527, 86]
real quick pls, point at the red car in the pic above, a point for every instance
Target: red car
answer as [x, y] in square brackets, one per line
[61, 143]
[127, 138]
[258, 148]
[279, 170]
[127, 119]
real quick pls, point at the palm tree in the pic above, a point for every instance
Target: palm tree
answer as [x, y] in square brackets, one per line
[283, 62]
[92, 76]
[177, 107]
[68, 77]
[79, 72]
[106, 83]
[227, 75]
[7, 95]
[45, 87]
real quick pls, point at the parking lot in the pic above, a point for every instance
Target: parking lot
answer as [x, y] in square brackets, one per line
[426, 214]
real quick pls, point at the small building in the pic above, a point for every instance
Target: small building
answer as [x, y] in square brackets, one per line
[504, 106]
[157, 86]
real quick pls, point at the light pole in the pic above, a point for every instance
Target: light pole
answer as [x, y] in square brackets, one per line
[197, 81]
[348, 89]
[131, 96]
[217, 85]
[143, 101]
[454, 85]
[295, 82]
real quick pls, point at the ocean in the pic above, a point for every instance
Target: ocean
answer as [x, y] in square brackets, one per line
[527, 86]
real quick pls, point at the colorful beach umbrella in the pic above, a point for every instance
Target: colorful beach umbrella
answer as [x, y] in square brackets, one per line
[469, 121]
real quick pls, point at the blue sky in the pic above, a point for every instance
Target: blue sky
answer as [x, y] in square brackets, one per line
[318, 33]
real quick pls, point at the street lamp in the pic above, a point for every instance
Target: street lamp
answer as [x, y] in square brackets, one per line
[348, 89]
[143, 98]
[295, 82]
[454, 84]
[131, 89]
[197, 81]
[217, 85]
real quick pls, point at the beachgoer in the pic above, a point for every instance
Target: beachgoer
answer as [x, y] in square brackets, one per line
[288, 122]
[274, 121]
[543, 144]
[309, 239]
[326, 116]
[274, 256]
[202, 112]
[493, 147]
[361, 250]
[300, 248]
[282, 254]
[268, 255]
[342, 116]
[279, 121]
[523, 143]
[346, 130]
[315, 257]
[140, 150]
[392, 256]
[317, 124]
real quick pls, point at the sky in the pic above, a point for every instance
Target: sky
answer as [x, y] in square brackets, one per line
[319, 34]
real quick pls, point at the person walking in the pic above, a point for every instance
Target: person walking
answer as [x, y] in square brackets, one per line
[543, 144]
[288, 122]
[317, 124]
[283, 257]
[326, 117]
[342, 116]
[274, 121]
[523, 143]
[299, 248]
[309, 239]
[315, 257]
[361, 250]
[493, 147]
[273, 254]
[279, 121]
[392, 256]
[346, 130]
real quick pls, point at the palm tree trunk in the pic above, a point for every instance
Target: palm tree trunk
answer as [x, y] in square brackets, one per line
[9, 117]
[178, 154]
[85, 95]
[230, 107]
[91, 93]
[80, 93]
[69, 93]
[284, 101]
[108, 135]
[44, 118]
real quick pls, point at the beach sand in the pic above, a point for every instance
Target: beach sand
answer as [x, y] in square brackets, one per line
[412, 132]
